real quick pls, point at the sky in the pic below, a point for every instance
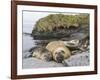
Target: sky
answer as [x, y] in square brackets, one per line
[30, 18]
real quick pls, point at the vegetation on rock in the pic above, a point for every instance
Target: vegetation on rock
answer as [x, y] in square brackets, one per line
[56, 21]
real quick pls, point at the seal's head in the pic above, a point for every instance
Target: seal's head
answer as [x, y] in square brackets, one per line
[61, 53]
[59, 56]
[46, 55]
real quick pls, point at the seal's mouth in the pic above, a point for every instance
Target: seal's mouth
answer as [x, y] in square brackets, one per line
[59, 56]
[59, 59]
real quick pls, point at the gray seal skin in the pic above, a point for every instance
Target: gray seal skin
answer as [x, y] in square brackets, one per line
[42, 53]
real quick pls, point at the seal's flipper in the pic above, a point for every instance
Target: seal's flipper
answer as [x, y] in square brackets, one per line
[30, 50]
[65, 64]
[28, 55]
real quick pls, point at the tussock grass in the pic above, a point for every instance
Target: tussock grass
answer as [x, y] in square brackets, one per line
[56, 21]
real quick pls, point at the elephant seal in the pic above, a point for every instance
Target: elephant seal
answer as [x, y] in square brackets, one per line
[59, 50]
[42, 53]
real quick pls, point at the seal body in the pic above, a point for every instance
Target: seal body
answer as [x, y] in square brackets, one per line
[42, 53]
[59, 50]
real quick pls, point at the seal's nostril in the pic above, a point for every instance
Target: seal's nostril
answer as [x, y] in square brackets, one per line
[60, 59]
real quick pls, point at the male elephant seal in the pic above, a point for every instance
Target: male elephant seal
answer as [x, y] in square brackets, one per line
[42, 53]
[59, 50]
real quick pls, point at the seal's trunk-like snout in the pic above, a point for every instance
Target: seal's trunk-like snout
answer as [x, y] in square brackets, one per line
[60, 58]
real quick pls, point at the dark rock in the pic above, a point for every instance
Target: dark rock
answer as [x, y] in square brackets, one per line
[80, 59]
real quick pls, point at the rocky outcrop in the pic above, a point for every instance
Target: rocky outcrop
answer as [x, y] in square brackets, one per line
[61, 21]
[80, 59]
[59, 24]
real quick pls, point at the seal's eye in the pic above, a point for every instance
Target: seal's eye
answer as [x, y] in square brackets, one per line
[62, 52]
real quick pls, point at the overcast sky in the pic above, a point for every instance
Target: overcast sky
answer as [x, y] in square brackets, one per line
[30, 18]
